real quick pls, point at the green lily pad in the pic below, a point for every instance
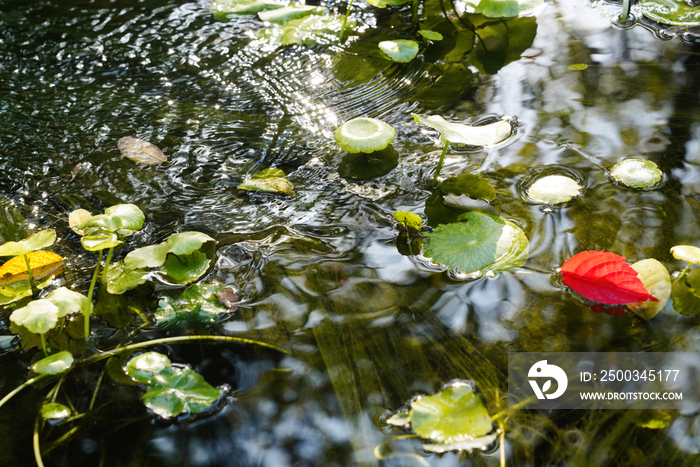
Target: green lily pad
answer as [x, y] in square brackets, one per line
[268, 181]
[400, 50]
[197, 302]
[145, 367]
[657, 281]
[180, 391]
[578, 67]
[54, 364]
[291, 12]
[34, 242]
[222, 8]
[687, 253]
[364, 135]
[685, 293]
[39, 316]
[124, 219]
[154, 256]
[554, 189]
[312, 30]
[119, 278]
[452, 416]
[386, 3]
[69, 301]
[100, 242]
[506, 8]
[430, 35]
[55, 411]
[671, 12]
[473, 186]
[18, 290]
[636, 173]
[409, 219]
[183, 269]
[140, 151]
[172, 390]
[78, 218]
[455, 133]
[364, 166]
[482, 243]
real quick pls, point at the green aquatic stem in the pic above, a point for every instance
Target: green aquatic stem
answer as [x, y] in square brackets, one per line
[95, 275]
[414, 13]
[97, 388]
[439, 165]
[35, 443]
[43, 344]
[345, 21]
[625, 10]
[35, 290]
[14, 392]
[683, 273]
[178, 340]
[104, 270]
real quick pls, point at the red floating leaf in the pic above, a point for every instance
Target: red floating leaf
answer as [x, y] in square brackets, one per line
[604, 278]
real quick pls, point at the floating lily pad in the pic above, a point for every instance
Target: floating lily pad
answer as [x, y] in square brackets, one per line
[454, 419]
[386, 3]
[364, 135]
[506, 8]
[687, 253]
[409, 219]
[78, 218]
[122, 219]
[55, 411]
[455, 133]
[183, 269]
[153, 256]
[483, 242]
[69, 302]
[100, 242]
[119, 278]
[671, 12]
[222, 8]
[400, 50]
[312, 30]
[18, 290]
[42, 263]
[364, 166]
[554, 189]
[657, 281]
[685, 293]
[34, 242]
[472, 186]
[430, 35]
[291, 12]
[141, 151]
[54, 364]
[172, 390]
[197, 302]
[636, 173]
[268, 181]
[39, 316]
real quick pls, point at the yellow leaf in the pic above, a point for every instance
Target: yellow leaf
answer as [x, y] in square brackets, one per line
[43, 263]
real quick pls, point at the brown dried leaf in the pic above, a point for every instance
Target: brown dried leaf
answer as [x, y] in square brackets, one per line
[229, 299]
[75, 172]
[141, 151]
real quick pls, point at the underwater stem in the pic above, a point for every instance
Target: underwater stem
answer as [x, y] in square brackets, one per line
[12, 393]
[35, 290]
[92, 290]
[414, 15]
[345, 21]
[43, 344]
[439, 165]
[35, 443]
[502, 443]
[684, 272]
[109, 258]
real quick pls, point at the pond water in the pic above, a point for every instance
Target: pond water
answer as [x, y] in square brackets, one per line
[319, 273]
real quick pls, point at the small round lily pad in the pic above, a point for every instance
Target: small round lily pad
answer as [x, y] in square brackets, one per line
[554, 189]
[54, 364]
[687, 253]
[636, 173]
[400, 50]
[430, 35]
[55, 411]
[364, 135]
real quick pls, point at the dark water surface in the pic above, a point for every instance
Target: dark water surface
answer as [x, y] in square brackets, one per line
[319, 273]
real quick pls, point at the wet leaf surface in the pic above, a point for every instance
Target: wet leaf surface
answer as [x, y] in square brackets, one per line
[141, 151]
